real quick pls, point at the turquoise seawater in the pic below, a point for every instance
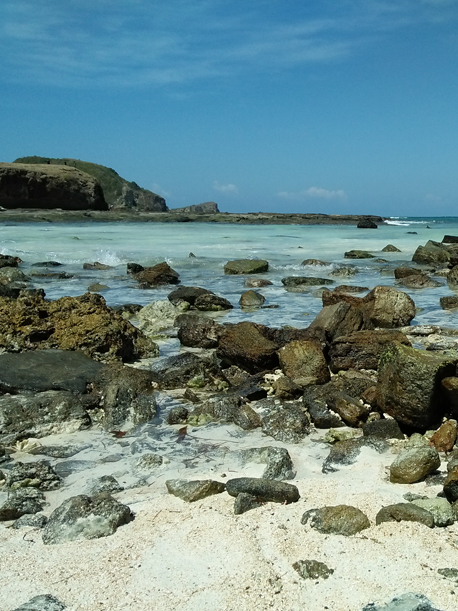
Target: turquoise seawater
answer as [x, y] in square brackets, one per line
[283, 246]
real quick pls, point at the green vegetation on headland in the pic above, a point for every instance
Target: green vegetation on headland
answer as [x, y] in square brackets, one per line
[118, 192]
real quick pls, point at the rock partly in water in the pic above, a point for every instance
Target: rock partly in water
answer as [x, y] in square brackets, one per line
[338, 520]
[390, 248]
[84, 517]
[191, 491]
[157, 275]
[358, 254]
[251, 299]
[366, 223]
[246, 266]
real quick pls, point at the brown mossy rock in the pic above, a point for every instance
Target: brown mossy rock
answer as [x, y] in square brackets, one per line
[82, 323]
[390, 248]
[49, 186]
[419, 281]
[404, 512]
[245, 345]
[336, 319]
[353, 412]
[338, 520]
[450, 388]
[198, 331]
[404, 271]
[449, 302]
[409, 385]
[157, 275]
[432, 253]
[362, 349]
[445, 436]
[304, 362]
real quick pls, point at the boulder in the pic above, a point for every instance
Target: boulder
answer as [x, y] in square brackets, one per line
[366, 223]
[21, 502]
[345, 271]
[226, 408]
[278, 461]
[191, 491]
[158, 316]
[404, 512]
[413, 465]
[212, 303]
[49, 186]
[9, 275]
[432, 253]
[404, 271]
[97, 266]
[362, 349]
[304, 362]
[84, 517]
[40, 414]
[390, 248]
[157, 275]
[443, 513]
[452, 277]
[82, 323]
[198, 331]
[449, 302]
[251, 299]
[419, 281]
[177, 370]
[315, 262]
[186, 293]
[263, 489]
[445, 436]
[246, 266]
[353, 412]
[385, 428]
[47, 370]
[126, 396]
[245, 345]
[388, 308]
[409, 385]
[338, 319]
[339, 520]
[9, 261]
[346, 451]
[34, 474]
[287, 422]
[244, 502]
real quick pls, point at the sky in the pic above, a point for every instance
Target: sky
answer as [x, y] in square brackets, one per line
[329, 106]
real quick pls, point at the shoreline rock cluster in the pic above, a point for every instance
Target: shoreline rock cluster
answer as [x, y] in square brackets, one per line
[353, 372]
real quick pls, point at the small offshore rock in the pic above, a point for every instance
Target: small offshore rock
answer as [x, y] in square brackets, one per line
[37, 520]
[246, 266]
[414, 464]
[44, 602]
[251, 299]
[264, 489]
[358, 254]
[338, 520]
[405, 512]
[84, 517]
[255, 283]
[312, 569]
[390, 248]
[440, 509]
[366, 223]
[196, 490]
[244, 502]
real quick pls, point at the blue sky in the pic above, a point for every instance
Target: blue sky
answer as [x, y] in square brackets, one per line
[332, 106]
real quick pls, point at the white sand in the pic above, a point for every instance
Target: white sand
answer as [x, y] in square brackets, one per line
[178, 556]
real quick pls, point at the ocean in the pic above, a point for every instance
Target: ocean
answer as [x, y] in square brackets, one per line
[285, 247]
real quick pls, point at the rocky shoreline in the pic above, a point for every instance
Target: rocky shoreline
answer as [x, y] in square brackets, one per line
[327, 453]
[118, 215]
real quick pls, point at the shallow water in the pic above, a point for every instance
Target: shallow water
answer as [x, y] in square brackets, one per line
[284, 246]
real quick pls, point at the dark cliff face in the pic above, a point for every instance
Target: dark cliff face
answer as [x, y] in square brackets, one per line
[46, 186]
[119, 193]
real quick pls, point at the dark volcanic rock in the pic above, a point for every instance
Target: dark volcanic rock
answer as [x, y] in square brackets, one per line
[45, 186]
[186, 293]
[35, 474]
[409, 385]
[212, 303]
[83, 323]
[156, 275]
[177, 370]
[244, 502]
[419, 281]
[383, 429]
[358, 254]
[47, 370]
[346, 452]
[246, 346]
[198, 331]
[366, 224]
[287, 422]
[404, 272]
[294, 281]
[246, 266]
[227, 408]
[21, 502]
[263, 489]
[362, 349]
[84, 517]
[41, 414]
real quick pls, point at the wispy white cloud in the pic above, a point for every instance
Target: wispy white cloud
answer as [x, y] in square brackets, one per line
[313, 193]
[152, 42]
[228, 189]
